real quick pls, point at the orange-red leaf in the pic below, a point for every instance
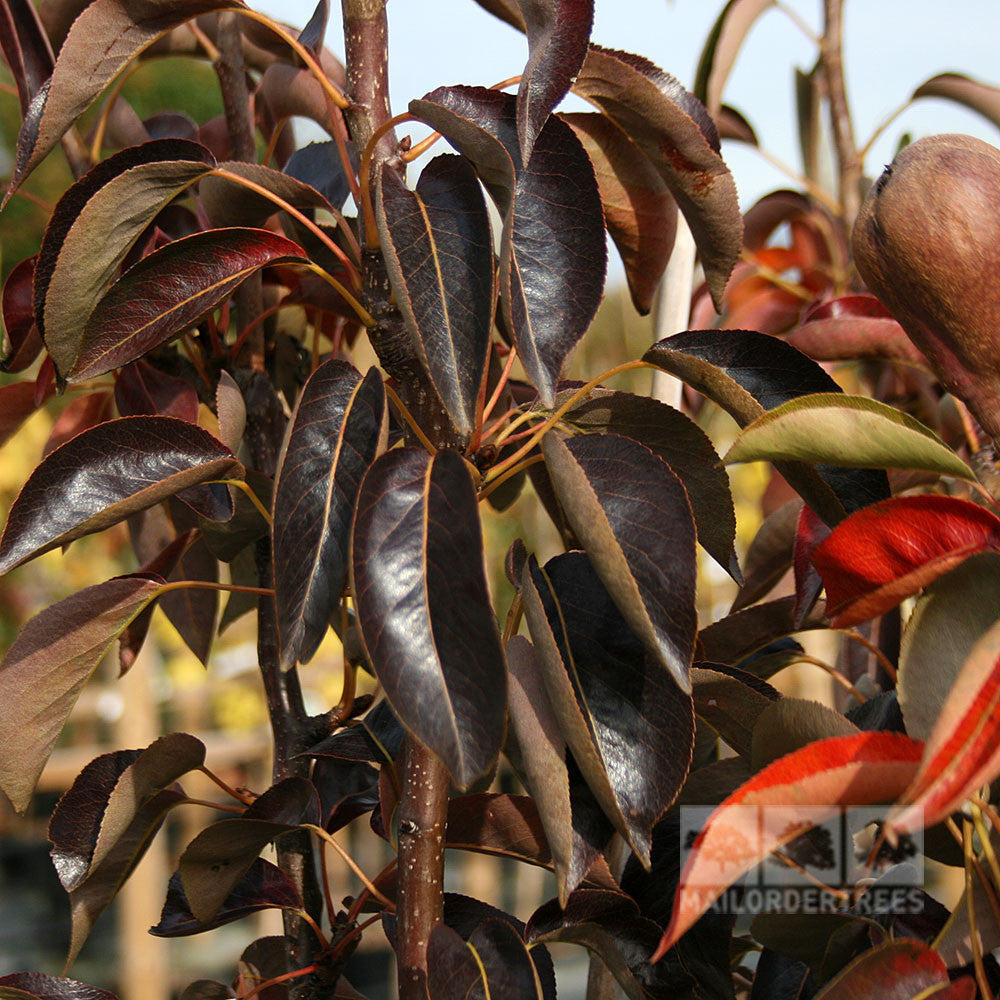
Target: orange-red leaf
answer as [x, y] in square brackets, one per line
[886, 552]
[800, 789]
[963, 751]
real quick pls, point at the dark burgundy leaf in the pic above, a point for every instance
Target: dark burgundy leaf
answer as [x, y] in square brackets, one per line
[553, 255]
[264, 886]
[312, 34]
[193, 612]
[262, 960]
[104, 799]
[102, 41]
[769, 556]
[558, 34]
[747, 373]
[639, 210]
[214, 862]
[47, 665]
[634, 518]
[160, 564]
[227, 539]
[79, 415]
[347, 790]
[318, 164]
[615, 704]
[609, 925]
[142, 388]
[17, 403]
[424, 609]
[505, 960]
[732, 639]
[170, 290]
[439, 253]
[26, 48]
[41, 986]
[507, 10]
[119, 198]
[781, 978]
[171, 125]
[230, 203]
[377, 738]
[105, 474]
[452, 970]
[684, 447]
[537, 751]
[697, 968]
[23, 341]
[676, 134]
[340, 425]
[91, 897]
[730, 704]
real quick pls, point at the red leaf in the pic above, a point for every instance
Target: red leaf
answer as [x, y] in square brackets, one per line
[963, 751]
[897, 970]
[810, 784]
[890, 550]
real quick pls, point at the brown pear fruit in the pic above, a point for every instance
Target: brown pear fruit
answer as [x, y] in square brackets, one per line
[927, 243]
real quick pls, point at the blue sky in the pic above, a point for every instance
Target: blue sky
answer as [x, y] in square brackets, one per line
[890, 47]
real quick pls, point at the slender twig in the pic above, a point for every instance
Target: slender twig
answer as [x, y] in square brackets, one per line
[364, 176]
[976, 943]
[221, 806]
[351, 863]
[101, 125]
[884, 660]
[501, 384]
[497, 424]
[283, 978]
[229, 790]
[835, 674]
[798, 21]
[509, 474]
[811, 188]
[272, 143]
[359, 310]
[296, 214]
[984, 838]
[580, 393]
[324, 941]
[848, 161]
[882, 126]
[408, 417]
[203, 40]
[231, 588]
[359, 903]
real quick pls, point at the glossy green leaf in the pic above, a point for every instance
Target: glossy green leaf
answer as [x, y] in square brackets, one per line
[170, 290]
[853, 431]
[747, 373]
[424, 609]
[340, 425]
[634, 518]
[439, 254]
[104, 475]
[46, 667]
